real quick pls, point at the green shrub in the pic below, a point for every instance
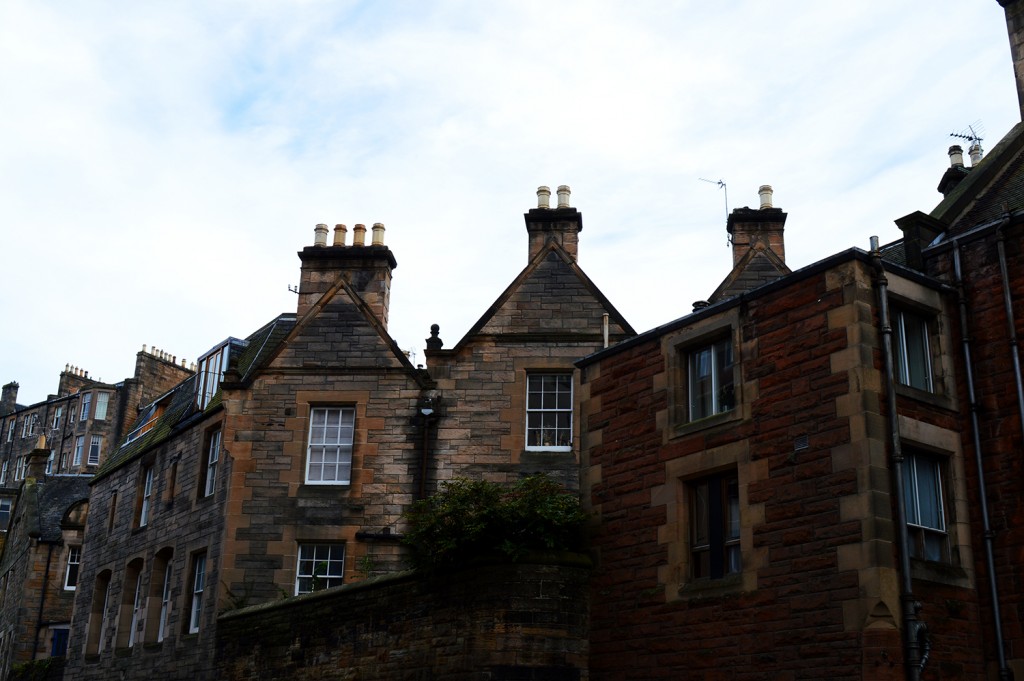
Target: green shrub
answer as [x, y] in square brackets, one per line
[471, 518]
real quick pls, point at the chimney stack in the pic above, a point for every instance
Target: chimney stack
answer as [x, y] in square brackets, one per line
[757, 229]
[9, 398]
[955, 172]
[561, 225]
[367, 269]
[1014, 11]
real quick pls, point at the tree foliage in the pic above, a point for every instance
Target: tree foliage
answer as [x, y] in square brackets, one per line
[467, 519]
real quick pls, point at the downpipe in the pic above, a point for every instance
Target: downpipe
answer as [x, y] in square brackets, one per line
[914, 631]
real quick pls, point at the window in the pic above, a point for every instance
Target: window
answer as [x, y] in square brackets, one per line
[59, 642]
[925, 508]
[5, 513]
[79, 446]
[19, 468]
[49, 463]
[912, 353]
[146, 419]
[86, 400]
[208, 476]
[74, 562]
[212, 366]
[198, 585]
[28, 426]
[329, 455]
[136, 611]
[95, 443]
[549, 411]
[3, 472]
[98, 614]
[58, 412]
[10, 430]
[709, 373]
[715, 526]
[146, 493]
[320, 566]
[113, 512]
[159, 592]
[102, 399]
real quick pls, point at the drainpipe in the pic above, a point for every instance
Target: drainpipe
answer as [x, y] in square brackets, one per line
[42, 599]
[989, 536]
[912, 643]
[1011, 325]
[426, 410]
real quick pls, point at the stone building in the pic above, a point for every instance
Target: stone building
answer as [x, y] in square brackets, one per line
[284, 465]
[48, 453]
[817, 474]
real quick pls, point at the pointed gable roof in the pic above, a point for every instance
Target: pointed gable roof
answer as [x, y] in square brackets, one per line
[551, 297]
[758, 266]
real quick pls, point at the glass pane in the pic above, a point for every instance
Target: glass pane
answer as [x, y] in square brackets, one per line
[700, 384]
[699, 513]
[929, 491]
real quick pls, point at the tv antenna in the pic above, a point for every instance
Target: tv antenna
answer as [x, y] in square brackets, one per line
[971, 134]
[721, 184]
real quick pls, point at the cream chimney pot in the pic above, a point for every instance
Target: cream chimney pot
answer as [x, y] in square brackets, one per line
[340, 231]
[563, 196]
[543, 197]
[765, 192]
[359, 235]
[956, 156]
[378, 234]
[320, 232]
[975, 153]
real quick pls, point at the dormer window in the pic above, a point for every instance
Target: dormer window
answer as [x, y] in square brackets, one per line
[212, 366]
[147, 419]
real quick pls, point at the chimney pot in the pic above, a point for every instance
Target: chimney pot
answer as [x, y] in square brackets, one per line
[359, 235]
[340, 232]
[765, 192]
[378, 234]
[975, 153]
[956, 156]
[563, 196]
[320, 232]
[543, 197]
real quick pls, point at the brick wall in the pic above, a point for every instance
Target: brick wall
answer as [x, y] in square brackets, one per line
[495, 622]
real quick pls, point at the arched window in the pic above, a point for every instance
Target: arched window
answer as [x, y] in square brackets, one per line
[132, 606]
[98, 614]
[158, 603]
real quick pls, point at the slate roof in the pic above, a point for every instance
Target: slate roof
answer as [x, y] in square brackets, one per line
[181, 406]
[757, 267]
[44, 503]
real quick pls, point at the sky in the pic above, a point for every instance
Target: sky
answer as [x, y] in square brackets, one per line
[161, 163]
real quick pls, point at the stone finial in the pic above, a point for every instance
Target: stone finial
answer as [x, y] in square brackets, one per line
[378, 234]
[543, 197]
[359, 235]
[434, 342]
[320, 235]
[340, 232]
[563, 195]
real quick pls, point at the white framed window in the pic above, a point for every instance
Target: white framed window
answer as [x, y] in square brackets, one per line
[549, 411]
[329, 453]
[57, 413]
[19, 468]
[74, 563]
[49, 463]
[715, 526]
[165, 604]
[102, 400]
[5, 512]
[10, 430]
[319, 566]
[212, 366]
[133, 631]
[912, 352]
[28, 426]
[147, 493]
[95, 443]
[198, 586]
[925, 506]
[86, 401]
[79, 446]
[212, 457]
[3, 472]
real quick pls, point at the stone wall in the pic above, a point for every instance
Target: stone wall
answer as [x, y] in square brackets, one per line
[501, 621]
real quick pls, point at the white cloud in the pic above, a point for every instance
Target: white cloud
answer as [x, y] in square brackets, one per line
[161, 163]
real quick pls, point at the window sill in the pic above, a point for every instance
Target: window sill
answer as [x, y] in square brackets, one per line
[934, 399]
[687, 427]
[549, 449]
[698, 589]
[939, 573]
